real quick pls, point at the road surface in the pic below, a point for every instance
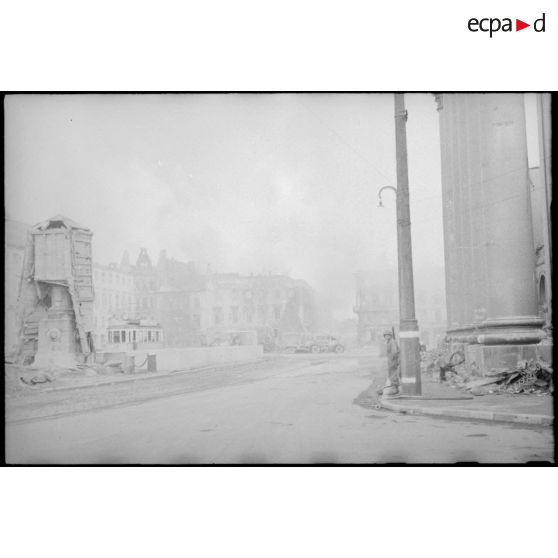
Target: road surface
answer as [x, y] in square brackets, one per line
[291, 409]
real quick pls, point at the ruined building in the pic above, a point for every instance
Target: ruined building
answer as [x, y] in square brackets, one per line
[54, 314]
[136, 306]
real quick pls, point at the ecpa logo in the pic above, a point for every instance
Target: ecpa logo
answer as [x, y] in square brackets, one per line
[494, 24]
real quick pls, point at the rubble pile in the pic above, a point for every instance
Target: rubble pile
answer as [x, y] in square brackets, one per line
[533, 376]
[429, 362]
[529, 377]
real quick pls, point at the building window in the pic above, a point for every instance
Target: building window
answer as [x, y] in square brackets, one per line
[234, 314]
[196, 320]
[116, 337]
[542, 290]
[248, 316]
[543, 305]
[277, 311]
[217, 315]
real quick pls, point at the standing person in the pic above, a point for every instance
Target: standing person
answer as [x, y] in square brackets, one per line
[392, 384]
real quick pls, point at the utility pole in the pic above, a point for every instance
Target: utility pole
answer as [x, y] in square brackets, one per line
[408, 325]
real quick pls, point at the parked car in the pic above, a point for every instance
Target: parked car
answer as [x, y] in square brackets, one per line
[326, 344]
[306, 343]
[293, 343]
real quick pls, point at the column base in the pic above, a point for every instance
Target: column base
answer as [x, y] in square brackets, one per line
[515, 330]
[521, 330]
[480, 359]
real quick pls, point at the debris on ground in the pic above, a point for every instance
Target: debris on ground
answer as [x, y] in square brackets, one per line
[115, 366]
[438, 363]
[31, 380]
[532, 376]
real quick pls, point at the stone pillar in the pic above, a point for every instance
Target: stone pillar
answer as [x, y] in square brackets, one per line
[544, 121]
[447, 195]
[488, 233]
[477, 217]
[508, 247]
[459, 140]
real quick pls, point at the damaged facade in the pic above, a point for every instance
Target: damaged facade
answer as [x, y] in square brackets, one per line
[54, 312]
[271, 305]
[167, 304]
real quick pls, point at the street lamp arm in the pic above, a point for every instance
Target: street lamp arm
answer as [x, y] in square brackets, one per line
[380, 204]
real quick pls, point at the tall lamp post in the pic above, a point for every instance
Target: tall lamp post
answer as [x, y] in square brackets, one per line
[408, 325]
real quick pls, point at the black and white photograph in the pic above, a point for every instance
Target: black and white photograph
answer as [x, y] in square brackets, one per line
[278, 278]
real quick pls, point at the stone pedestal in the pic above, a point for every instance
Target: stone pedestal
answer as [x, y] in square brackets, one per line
[57, 333]
[480, 359]
[57, 343]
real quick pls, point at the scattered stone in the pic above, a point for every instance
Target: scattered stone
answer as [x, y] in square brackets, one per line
[31, 380]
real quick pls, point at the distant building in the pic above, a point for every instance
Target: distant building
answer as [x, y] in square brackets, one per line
[268, 304]
[115, 299]
[15, 239]
[176, 305]
[377, 305]
[194, 309]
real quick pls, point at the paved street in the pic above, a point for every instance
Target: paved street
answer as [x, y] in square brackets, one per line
[292, 409]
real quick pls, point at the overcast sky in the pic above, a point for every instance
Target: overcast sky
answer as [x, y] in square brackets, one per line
[246, 183]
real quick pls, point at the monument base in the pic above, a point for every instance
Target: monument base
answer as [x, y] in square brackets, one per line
[57, 342]
[54, 359]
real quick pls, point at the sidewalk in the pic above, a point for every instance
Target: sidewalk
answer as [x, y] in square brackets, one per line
[506, 407]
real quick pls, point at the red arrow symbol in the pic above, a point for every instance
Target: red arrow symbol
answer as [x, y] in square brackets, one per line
[519, 25]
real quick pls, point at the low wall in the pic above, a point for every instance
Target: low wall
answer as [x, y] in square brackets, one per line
[195, 357]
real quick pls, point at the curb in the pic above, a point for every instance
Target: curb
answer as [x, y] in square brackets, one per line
[498, 416]
[136, 378]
